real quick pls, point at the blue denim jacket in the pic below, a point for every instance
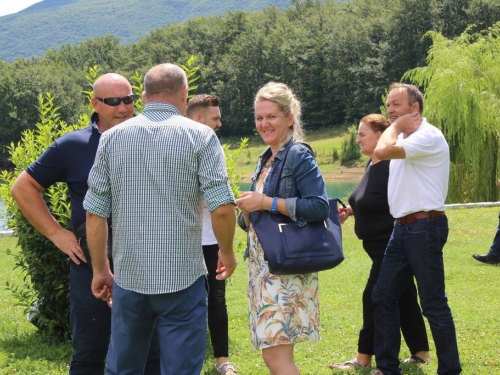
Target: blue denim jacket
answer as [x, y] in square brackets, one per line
[301, 184]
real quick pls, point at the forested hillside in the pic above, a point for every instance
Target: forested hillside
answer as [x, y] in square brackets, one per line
[338, 56]
[52, 23]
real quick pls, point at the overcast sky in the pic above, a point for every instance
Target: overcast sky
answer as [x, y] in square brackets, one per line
[14, 6]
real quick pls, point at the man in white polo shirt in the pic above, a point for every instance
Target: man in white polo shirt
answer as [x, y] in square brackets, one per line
[418, 185]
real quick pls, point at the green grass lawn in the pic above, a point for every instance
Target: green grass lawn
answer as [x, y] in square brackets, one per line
[472, 288]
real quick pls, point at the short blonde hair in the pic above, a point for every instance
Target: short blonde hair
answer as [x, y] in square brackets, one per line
[288, 103]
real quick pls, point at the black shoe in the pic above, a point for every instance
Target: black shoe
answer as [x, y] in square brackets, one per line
[488, 258]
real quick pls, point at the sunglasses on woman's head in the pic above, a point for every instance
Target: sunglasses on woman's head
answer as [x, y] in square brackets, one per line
[113, 102]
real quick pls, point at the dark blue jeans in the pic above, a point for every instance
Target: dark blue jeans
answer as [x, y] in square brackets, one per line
[415, 250]
[495, 246]
[181, 320]
[90, 324]
[217, 308]
[91, 327]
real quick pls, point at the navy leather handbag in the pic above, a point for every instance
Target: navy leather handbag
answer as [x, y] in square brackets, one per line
[292, 249]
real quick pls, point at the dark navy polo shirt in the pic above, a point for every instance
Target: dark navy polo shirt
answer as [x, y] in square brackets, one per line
[69, 159]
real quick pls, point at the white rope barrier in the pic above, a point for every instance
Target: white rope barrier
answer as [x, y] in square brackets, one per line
[472, 205]
[6, 233]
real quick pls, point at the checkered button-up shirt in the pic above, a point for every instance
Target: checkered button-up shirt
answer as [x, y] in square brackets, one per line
[151, 174]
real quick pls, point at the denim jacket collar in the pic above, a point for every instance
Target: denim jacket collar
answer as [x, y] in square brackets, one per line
[265, 155]
[267, 152]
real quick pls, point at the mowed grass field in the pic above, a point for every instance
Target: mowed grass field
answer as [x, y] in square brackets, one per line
[473, 292]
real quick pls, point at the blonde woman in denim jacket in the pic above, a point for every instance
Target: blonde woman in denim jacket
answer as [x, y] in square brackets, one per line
[283, 309]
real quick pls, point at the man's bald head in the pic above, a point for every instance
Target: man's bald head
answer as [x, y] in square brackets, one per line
[164, 79]
[166, 83]
[108, 86]
[109, 82]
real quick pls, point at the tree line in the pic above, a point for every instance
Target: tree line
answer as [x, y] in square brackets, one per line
[339, 57]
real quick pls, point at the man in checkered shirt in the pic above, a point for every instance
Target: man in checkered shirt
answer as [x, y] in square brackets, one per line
[151, 174]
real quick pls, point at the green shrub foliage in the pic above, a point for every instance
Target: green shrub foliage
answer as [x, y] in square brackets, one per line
[232, 157]
[335, 155]
[462, 98]
[45, 294]
[350, 153]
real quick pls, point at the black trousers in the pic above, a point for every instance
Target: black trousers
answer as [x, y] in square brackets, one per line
[411, 319]
[217, 308]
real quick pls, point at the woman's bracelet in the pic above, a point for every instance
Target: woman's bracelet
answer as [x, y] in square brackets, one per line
[274, 206]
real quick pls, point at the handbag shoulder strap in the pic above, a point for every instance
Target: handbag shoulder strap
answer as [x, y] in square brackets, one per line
[275, 187]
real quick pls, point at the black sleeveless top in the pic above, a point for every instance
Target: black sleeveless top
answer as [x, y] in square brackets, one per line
[373, 221]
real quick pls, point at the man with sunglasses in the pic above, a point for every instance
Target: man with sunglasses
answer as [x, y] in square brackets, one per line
[69, 159]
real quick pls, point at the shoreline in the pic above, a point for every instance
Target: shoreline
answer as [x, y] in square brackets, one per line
[353, 174]
[342, 174]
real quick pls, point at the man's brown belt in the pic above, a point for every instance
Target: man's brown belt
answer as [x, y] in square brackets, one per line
[411, 218]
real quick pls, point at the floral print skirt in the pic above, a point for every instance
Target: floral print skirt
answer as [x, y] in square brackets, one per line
[283, 309]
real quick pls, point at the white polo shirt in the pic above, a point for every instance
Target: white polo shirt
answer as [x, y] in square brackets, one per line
[420, 181]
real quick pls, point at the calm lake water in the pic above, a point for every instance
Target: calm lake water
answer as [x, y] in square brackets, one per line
[335, 190]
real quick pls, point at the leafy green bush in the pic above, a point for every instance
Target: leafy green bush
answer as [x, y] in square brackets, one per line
[462, 89]
[45, 294]
[231, 159]
[335, 155]
[350, 152]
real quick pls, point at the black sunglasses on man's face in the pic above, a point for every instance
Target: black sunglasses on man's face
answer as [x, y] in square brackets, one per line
[113, 102]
